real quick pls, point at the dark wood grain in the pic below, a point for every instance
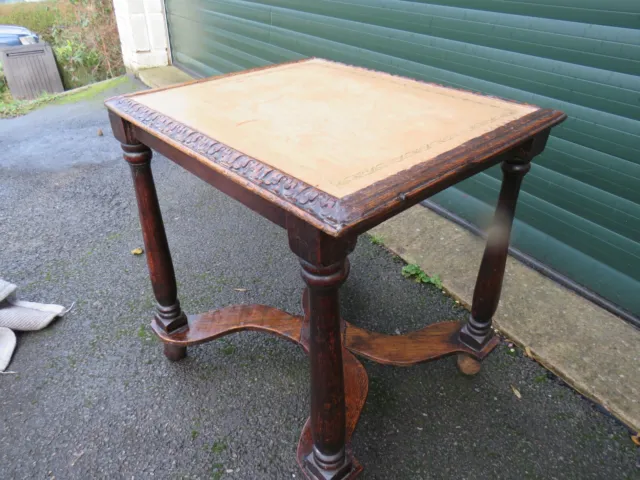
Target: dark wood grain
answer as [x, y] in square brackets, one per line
[270, 208]
[233, 319]
[169, 315]
[209, 326]
[477, 332]
[523, 138]
[430, 343]
[356, 388]
[324, 269]
[244, 169]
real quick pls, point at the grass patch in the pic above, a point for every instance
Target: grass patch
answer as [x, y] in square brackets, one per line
[10, 107]
[217, 471]
[218, 447]
[541, 378]
[376, 239]
[89, 92]
[228, 348]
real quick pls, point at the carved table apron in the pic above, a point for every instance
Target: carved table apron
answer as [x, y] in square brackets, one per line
[328, 151]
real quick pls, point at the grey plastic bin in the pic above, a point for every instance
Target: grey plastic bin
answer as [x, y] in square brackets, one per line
[31, 70]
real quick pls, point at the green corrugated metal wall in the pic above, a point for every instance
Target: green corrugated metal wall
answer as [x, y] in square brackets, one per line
[580, 208]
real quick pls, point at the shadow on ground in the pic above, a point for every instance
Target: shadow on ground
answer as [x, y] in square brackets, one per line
[93, 397]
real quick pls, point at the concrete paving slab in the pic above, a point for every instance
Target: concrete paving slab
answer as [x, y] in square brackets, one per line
[594, 351]
[163, 76]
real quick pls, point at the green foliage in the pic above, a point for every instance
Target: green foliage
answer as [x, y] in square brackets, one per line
[9, 107]
[218, 447]
[37, 17]
[217, 471]
[541, 378]
[145, 335]
[83, 35]
[79, 64]
[414, 271]
[376, 239]
[4, 88]
[228, 348]
[2, 77]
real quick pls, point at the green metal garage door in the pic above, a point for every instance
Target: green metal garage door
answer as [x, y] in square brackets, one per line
[580, 209]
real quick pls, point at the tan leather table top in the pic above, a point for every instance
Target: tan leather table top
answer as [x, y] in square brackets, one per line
[339, 146]
[335, 127]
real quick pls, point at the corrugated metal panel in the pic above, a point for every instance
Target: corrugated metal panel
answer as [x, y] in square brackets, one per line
[31, 70]
[582, 198]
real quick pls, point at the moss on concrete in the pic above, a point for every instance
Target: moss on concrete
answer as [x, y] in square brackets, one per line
[10, 107]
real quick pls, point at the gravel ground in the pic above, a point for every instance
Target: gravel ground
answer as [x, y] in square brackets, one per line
[93, 397]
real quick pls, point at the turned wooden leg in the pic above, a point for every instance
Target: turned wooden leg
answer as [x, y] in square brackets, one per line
[324, 269]
[477, 332]
[169, 316]
[328, 458]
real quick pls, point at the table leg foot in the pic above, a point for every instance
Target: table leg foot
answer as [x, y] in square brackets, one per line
[467, 364]
[320, 472]
[174, 352]
[356, 388]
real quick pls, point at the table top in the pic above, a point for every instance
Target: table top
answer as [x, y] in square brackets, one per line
[347, 139]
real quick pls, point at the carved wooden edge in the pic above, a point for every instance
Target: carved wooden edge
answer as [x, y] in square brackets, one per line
[525, 136]
[357, 212]
[232, 163]
[365, 208]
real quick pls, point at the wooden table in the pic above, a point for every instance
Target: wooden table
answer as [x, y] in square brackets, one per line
[328, 151]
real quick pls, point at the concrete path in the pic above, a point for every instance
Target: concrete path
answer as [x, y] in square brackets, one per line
[94, 398]
[593, 350]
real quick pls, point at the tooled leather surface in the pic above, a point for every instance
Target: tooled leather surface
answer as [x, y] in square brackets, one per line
[313, 201]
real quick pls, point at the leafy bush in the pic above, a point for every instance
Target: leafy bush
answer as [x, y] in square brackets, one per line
[37, 17]
[86, 43]
[83, 35]
[79, 65]
[3, 82]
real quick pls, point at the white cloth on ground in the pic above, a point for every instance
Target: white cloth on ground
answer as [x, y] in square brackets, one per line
[20, 315]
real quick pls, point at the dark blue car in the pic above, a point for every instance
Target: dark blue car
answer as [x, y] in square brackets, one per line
[10, 36]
